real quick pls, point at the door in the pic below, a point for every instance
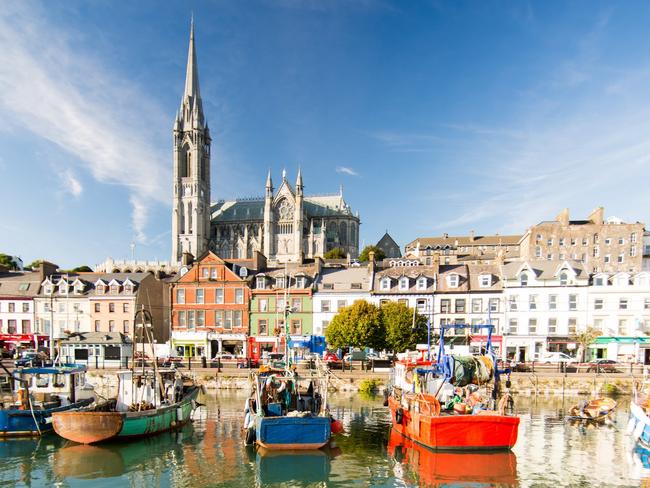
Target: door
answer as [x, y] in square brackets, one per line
[646, 356]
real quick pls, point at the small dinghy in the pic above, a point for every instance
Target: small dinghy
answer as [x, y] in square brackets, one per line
[596, 410]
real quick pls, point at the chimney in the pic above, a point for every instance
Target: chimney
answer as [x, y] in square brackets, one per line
[371, 260]
[187, 259]
[597, 216]
[260, 260]
[445, 235]
[471, 236]
[46, 269]
[563, 217]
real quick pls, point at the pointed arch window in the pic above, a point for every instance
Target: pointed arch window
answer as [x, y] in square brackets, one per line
[185, 161]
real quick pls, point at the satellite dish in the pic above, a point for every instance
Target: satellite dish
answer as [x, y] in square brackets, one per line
[243, 272]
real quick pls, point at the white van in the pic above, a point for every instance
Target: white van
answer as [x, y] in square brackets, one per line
[556, 358]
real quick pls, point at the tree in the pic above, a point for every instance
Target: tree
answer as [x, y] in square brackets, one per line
[584, 340]
[336, 253]
[358, 325]
[8, 261]
[81, 269]
[34, 264]
[364, 256]
[402, 332]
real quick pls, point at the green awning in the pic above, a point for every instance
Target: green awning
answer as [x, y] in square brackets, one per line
[621, 340]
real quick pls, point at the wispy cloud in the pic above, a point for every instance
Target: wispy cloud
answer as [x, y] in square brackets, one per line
[70, 184]
[50, 87]
[346, 171]
[407, 142]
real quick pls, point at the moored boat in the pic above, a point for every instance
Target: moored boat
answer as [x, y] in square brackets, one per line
[596, 410]
[41, 392]
[147, 403]
[639, 423]
[452, 404]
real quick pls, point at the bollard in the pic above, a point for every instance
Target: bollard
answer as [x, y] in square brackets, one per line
[218, 365]
[204, 362]
[96, 362]
[189, 363]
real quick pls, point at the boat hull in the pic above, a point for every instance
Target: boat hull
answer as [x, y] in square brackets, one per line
[455, 432]
[20, 423]
[289, 433]
[92, 427]
[639, 426]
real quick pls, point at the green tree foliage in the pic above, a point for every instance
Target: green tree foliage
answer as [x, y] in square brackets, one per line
[8, 261]
[364, 256]
[336, 253]
[358, 325]
[34, 264]
[401, 334]
[81, 269]
[584, 340]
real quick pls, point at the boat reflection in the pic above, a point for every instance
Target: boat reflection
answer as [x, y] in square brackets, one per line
[300, 466]
[425, 467]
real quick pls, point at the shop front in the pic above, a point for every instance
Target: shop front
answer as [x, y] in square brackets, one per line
[262, 346]
[97, 349]
[190, 344]
[621, 349]
[234, 344]
[478, 344]
[524, 348]
[16, 342]
[562, 344]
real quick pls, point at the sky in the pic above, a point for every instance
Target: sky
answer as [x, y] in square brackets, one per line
[434, 116]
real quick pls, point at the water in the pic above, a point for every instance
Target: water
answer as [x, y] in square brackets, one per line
[549, 452]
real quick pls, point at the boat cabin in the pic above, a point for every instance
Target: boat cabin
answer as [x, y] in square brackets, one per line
[145, 390]
[280, 395]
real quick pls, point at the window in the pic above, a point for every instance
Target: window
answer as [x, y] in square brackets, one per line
[205, 272]
[218, 295]
[213, 273]
[561, 241]
[385, 284]
[296, 305]
[632, 251]
[532, 302]
[190, 319]
[585, 241]
[61, 307]
[75, 307]
[596, 252]
[48, 289]
[460, 305]
[512, 302]
[599, 325]
[598, 304]
[403, 283]
[445, 305]
[573, 302]
[340, 304]
[227, 324]
[125, 307]
[538, 251]
[421, 305]
[512, 326]
[115, 289]
[181, 319]
[564, 278]
[552, 326]
[561, 256]
[538, 237]
[262, 327]
[532, 326]
[329, 286]
[622, 326]
[125, 326]
[621, 257]
[573, 326]
[599, 281]
[12, 307]
[485, 280]
[200, 294]
[452, 280]
[97, 326]
[549, 256]
[325, 306]
[477, 305]
[25, 307]
[11, 326]
[279, 304]
[180, 295]
[200, 318]
[573, 241]
[296, 327]
[596, 239]
[523, 279]
[494, 304]
[46, 306]
[237, 314]
[608, 241]
[260, 282]
[111, 307]
[633, 237]
[263, 304]
[218, 318]
[355, 286]
[549, 242]
[383, 302]
[646, 303]
[422, 283]
[300, 282]
[621, 241]
[279, 282]
[622, 304]
[111, 326]
[607, 258]
[239, 296]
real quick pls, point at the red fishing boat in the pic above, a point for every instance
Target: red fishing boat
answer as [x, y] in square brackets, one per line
[452, 404]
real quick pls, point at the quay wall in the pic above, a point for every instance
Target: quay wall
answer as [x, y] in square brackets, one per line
[548, 383]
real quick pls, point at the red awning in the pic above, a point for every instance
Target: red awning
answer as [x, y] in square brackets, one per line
[478, 339]
[20, 338]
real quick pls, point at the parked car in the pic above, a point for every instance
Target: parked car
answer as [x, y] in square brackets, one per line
[330, 356]
[29, 357]
[603, 365]
[557, 358]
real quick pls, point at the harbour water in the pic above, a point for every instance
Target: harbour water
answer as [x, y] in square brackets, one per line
[210, 452]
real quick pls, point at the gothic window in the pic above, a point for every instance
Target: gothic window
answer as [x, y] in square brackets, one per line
[184, 161]
[181, 223]
[343, 233]
[284, 216]
[189, 218]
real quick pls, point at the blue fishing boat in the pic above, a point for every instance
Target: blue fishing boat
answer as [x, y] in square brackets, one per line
[38, 393]
[639, 424]
[287, 412]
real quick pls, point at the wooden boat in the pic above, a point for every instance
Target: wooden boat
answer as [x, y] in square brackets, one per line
[440, 407]
[148, 403]
[40, 393]
[596, 410]
[443, 469]
[286, 412]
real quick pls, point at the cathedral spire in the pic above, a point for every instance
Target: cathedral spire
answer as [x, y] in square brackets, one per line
[269, 182]
[299, 178]
[192, 93]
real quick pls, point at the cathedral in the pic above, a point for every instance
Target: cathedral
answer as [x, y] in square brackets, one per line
[285, 225]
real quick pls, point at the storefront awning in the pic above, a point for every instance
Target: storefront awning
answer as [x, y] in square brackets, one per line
[20, 338]
[482, 339]
[621, 340]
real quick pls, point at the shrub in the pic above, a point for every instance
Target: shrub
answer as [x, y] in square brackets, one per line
[369, 386]
[610, 389]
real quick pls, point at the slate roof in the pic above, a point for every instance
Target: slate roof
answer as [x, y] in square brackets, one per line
[89, 280]
[20, 284]
[342, 279]
[544, 270]
[96, 338]
[455, 241]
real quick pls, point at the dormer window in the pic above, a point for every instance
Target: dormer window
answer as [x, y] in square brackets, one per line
[622, 280]
[485, 281]
[300, 282]
[63, 288]
[422, 283]
[453, 280]
[523, 279]
[260, 282]
[280, 282]
[642, 280]
[115, 289]
[128, 289]
[79, 288]
[403, 283]
[564, 278]
[385, 283]
[48, 290]
[101, 289]
[600, 281]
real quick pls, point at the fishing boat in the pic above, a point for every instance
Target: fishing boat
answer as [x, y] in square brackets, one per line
[597, 410]
[453, 403]
[287, 412]
[149, 401]
[39, 393]
[639, 423]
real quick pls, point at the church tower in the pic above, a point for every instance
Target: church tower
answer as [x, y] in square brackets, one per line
[191, 208]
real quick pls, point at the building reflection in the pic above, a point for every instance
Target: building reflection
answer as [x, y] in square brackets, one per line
[424, 467]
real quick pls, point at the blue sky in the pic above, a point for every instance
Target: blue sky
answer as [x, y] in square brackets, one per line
[434, 116]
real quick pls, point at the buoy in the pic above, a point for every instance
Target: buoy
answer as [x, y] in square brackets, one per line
[336, 426]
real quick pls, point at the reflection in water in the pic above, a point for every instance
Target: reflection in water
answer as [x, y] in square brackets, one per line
[425, 467]
[210, 452]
